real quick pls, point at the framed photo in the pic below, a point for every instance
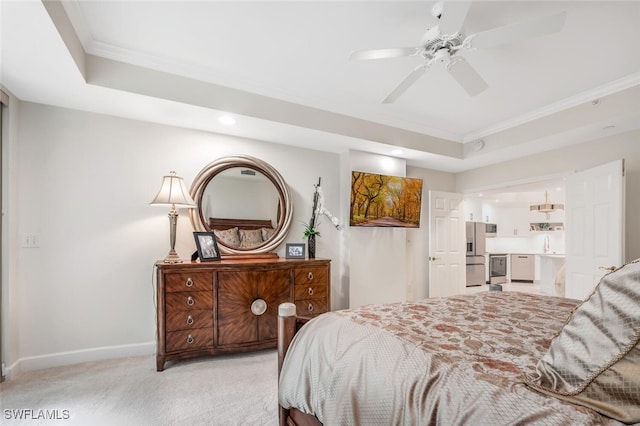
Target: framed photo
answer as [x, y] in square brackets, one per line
[295, 251]
[207, 246]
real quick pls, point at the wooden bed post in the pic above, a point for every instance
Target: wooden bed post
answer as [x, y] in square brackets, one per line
[286, 331]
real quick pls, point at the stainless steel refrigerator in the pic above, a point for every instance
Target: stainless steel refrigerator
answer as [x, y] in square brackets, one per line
[476, 249]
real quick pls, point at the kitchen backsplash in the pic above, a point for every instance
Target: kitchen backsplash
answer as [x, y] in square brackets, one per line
[531, 244]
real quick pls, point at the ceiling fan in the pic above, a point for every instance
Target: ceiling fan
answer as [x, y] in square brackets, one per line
[443, 43]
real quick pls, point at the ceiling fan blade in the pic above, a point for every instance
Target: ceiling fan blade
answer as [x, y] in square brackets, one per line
[453, 15]
[396, 52]
[466, 76]
[406, 83]
[518, 32]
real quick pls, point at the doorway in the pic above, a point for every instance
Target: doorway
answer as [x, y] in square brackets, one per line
[521, 229]
[595, 209]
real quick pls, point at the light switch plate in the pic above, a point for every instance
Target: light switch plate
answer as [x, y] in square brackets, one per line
[31, 240]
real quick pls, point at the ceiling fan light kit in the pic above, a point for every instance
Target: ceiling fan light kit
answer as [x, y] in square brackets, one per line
[443, 43]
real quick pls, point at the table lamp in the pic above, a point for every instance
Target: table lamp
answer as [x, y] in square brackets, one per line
[173, 192]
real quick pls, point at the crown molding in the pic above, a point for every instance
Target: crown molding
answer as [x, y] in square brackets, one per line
[587, 96]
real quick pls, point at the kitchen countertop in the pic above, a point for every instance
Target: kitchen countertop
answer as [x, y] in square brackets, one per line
[550, 255]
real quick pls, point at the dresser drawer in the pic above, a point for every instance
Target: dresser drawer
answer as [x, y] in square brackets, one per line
[189, 301]
[310, 275]
[310, 307]
[188, 320]
[188, 281]
[189, 339]
[311, 291]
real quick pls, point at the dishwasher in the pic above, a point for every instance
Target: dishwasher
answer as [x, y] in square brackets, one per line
[523, 267]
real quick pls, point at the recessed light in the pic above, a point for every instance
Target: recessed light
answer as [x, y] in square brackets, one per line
[396, 152]
[227, 120]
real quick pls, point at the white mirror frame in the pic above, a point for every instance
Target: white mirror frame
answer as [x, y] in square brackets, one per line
[286, 206]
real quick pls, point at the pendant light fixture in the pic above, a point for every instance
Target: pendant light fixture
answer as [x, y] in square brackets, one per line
[547, 207]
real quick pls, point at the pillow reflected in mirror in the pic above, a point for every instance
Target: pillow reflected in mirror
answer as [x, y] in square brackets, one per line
[229, 237]
[250, 238]
[267, 233]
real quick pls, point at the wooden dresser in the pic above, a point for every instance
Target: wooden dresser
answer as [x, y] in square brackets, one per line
[232, 305]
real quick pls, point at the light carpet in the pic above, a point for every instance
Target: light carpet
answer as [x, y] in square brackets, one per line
[225, 390]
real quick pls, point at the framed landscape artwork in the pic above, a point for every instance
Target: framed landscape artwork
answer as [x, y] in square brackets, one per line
[387, 201]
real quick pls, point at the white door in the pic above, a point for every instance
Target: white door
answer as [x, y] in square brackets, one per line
[595, 226]
[447, 239]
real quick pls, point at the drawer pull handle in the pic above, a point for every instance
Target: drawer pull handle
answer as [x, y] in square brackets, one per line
[190, 339]
[310, 307]
[189, 282]
[189, 320]
[310, 291]
[310, 276]
[258, 307]
[190, 301]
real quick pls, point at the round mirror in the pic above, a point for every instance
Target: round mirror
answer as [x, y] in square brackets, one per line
[244, 202]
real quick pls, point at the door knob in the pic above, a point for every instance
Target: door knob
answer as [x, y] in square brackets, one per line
[610, 268]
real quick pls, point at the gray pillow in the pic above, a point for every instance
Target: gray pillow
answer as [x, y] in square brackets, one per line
[594, 360]
[250, 238]
[228, 237]
[267, 233]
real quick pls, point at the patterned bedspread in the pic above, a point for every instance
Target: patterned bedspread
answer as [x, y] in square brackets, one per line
[448, 361]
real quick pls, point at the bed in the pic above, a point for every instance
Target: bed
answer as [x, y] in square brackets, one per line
[499, 358]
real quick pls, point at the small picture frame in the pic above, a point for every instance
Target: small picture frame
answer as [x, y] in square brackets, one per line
[207, 246]
[295, 250]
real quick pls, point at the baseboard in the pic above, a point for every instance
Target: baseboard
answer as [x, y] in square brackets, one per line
[77, 357]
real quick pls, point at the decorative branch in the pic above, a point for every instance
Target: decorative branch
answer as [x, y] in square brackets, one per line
[319, 209]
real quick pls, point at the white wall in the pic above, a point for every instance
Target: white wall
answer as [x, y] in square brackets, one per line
[83, 184]
[10, 275]
[377, 272]
[389, 264]
[259, 199]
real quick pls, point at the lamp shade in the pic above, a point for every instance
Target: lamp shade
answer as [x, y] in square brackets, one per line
[173, 192]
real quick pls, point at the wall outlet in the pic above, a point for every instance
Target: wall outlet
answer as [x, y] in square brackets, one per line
[31, 240]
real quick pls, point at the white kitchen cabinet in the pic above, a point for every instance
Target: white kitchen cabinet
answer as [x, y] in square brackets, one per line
[489, 213]
[513, 222]
[473, 210]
